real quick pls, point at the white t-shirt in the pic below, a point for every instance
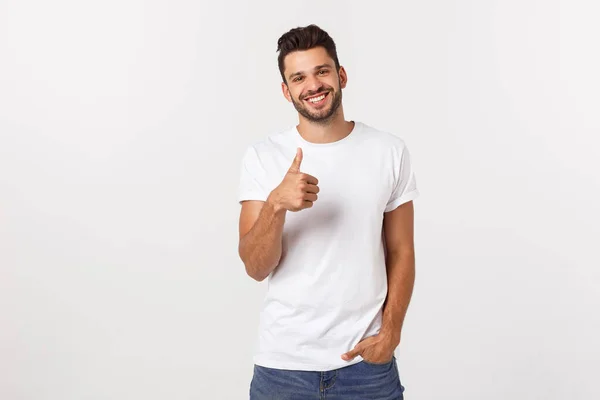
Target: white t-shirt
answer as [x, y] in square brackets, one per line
[328, 290]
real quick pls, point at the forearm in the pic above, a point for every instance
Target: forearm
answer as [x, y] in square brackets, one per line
[260, 248]
[401, 278]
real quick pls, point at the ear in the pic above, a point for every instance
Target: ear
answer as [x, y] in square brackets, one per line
[343, 77]
[286, 92]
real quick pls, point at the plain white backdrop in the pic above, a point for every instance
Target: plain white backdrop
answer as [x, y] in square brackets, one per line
[122, 126]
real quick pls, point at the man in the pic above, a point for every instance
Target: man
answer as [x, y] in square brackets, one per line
[327, 217]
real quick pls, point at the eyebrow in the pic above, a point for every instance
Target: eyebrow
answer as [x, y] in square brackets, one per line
[314, 69]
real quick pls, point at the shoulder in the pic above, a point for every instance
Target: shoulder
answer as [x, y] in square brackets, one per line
[267, 145]
[382, 138]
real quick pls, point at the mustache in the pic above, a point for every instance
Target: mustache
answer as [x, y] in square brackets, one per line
[313, 92]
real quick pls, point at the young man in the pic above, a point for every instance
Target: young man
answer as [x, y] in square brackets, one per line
[327, 216]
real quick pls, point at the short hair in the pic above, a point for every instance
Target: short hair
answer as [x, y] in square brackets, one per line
[305, 38]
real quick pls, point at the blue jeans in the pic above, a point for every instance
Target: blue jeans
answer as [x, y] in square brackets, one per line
[361, 381]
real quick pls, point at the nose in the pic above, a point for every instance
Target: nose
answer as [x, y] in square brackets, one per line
[313, 84]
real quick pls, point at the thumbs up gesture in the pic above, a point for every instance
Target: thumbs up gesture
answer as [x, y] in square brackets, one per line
[297, 190]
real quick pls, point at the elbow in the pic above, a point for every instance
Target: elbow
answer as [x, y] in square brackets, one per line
[258, 268]
[259, 271]
[255, 273]
[258, 278]
[253, 270]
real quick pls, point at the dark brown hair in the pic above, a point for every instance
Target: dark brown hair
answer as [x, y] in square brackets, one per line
[305, 38]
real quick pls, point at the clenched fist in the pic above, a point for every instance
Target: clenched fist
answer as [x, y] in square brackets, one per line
[297, 190]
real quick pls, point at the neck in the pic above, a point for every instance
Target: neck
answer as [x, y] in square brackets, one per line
[331, 131]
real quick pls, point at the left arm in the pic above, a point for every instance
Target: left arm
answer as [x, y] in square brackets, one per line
[400, 265]
[398, 227]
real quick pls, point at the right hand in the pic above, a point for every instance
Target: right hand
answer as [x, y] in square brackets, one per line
[297, 190]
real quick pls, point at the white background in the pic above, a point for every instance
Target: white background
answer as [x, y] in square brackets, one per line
[122, 125]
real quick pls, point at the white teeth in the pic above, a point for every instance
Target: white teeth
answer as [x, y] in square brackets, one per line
[317, 99]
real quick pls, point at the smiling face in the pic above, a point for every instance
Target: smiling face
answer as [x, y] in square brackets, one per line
[313, 84]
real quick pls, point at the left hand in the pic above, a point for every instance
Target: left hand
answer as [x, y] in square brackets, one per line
[378, 349]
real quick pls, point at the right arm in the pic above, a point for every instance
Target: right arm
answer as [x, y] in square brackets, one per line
[261, 222]
[261, 230]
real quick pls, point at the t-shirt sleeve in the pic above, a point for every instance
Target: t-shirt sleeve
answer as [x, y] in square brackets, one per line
[252, 177]
[405, 184]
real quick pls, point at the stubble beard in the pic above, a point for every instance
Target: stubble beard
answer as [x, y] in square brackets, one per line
[318, 118]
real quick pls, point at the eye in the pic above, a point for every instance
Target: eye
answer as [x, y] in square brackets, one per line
[323, 72]
[297, 79]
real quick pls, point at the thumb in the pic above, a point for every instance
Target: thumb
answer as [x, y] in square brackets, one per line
[295, 167]
[352, 353]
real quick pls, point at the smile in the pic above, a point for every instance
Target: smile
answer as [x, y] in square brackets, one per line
[317, 99]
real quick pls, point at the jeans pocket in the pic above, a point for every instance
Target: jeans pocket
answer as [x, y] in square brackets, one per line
[379, 364]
